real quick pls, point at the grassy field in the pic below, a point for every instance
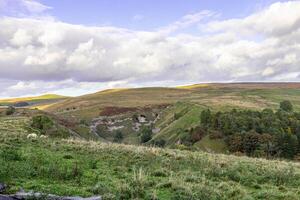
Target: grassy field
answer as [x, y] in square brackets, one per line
[116, 171]
[172, 128]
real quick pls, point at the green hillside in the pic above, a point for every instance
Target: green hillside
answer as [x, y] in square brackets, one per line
[215, 95]
[117, 171]
[173, 114]
[178, 110]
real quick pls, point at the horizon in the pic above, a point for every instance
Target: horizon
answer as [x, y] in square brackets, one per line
[66, 48]
[137, 87]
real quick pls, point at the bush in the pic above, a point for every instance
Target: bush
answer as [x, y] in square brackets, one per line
[160, 143]
[146, 135]
[286, 106]
[42, 122]
[118, 137]
[10, 110]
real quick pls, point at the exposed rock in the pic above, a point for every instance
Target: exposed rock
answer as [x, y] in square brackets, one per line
[2, 187]
[113, 128]
[37, 195]
[142, 119]
[155, 130]
[5, 197]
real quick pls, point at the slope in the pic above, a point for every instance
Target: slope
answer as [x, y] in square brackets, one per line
[41, 102]
[116, 171]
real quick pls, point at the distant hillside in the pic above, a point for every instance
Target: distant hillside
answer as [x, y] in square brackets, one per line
[172, 113]
[36, 101]
[215, 95]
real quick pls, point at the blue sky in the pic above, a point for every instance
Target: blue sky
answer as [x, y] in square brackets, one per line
[145, 14]
[74, 47]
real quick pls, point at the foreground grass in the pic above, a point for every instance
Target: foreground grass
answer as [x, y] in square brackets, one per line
[75, 167]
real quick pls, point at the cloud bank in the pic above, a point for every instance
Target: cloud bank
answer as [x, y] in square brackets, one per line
[42, 54]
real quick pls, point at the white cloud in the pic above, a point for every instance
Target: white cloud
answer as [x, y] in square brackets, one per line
[21, 8]
[187, 21]
[21, 38]
[268, 71]
[34, 6]
[40, 55]
[278, 19]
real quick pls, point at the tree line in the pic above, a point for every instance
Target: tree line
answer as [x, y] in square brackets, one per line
[265, 133]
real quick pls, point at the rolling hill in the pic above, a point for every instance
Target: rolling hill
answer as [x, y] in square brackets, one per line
[187, 101]
[215, 95]
[40, 102]
[117, 171]
[76, 152]
[171, 112]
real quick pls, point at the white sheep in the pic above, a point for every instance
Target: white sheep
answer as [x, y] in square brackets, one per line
[43, 136]
[32, 136]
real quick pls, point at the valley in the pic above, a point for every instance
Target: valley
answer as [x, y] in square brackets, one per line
[157, 143]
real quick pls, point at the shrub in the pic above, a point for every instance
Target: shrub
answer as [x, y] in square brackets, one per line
[286, 106]
[160, 143]
[118, 137]
[146, 135]
[10, 110]
[42, 122]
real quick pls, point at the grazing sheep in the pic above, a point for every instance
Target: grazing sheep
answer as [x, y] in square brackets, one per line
[32, 136]
[43, 136]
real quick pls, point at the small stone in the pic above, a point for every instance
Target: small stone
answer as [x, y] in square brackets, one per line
[2, 187]
[5, 197]
[93, 198]
[71, 198]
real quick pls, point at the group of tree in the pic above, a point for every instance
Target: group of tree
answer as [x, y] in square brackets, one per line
[264, 133]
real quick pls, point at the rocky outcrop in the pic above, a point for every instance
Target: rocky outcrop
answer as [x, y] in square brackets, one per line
[32, 195]
[2, 187]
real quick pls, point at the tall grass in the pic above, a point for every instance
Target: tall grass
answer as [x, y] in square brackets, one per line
[117, 171]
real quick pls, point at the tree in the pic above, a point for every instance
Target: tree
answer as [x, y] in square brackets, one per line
[251, 142]
[286, 106]
[146, 135]
[288, 145]
[205, 117]
[235, 143]
[118, 136]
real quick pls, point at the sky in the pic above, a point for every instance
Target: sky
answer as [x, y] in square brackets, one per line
[77, 47]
